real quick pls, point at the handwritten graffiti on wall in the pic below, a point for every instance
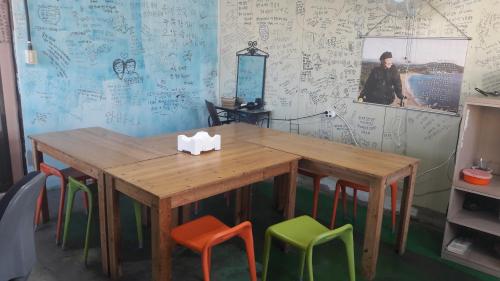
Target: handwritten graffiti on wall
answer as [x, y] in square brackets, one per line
[135, 66]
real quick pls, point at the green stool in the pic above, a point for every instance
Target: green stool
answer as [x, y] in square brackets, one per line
[305, 233]
[73, 187]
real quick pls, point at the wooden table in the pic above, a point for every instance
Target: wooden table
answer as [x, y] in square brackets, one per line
[369, 167]
[236, 132]
[95, 150]
[90, 151]
[168, 182]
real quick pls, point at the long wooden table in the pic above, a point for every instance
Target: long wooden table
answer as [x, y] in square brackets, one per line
[90, 151]
[236, 132]
[177, 180]
[369, 167]
[95, 150]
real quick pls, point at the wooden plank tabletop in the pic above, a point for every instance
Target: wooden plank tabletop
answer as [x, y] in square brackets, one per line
[230, 133]
[369, 162]
[353, 159]
[183, 173]
[99, 147]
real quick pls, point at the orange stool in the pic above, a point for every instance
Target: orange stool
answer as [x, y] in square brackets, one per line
[316, 185]
[341, 186]
[202, 234]
[63, 179]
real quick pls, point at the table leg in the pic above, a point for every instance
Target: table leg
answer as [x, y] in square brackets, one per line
[291, 191]
[113, 214]
[37, 159]
[406, 203]
[373, 228]
[176, 217]
[238, 206]
[279, 192]
[161, 244]
[243, 206]
[248, 202]
[285, 190]
[37, 156]
[103, 227]
[268, 120]
[145, 215]
[186, 213]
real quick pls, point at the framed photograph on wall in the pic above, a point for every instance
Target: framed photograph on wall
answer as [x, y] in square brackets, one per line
[413, 73]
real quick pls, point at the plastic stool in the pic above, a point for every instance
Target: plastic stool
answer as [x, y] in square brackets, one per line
[341, 186]
[304, 233]
[202, 234]
[73, 187]
[63, 175]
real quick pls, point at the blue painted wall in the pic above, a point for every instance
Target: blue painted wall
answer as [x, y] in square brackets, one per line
[140, 67]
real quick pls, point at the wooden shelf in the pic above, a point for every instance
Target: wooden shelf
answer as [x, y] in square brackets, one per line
[491, 190]
[479, 137]
[477, 258]
[482, 221]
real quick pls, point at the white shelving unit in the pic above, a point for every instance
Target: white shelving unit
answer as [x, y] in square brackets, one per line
[479, 138]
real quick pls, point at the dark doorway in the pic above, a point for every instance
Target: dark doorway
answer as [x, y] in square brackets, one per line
[5, 168]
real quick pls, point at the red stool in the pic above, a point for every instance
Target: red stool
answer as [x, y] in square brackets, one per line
[202, 234]
[316, 186]
[341, 186]
[63, 180]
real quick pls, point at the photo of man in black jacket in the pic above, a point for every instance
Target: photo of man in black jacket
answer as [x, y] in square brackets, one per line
[383, 83]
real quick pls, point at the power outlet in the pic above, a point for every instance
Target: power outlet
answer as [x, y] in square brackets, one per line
[330, 114]
[30, 57]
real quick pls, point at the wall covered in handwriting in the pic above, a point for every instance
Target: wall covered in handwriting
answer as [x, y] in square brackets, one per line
[315, 65]
[135, 66]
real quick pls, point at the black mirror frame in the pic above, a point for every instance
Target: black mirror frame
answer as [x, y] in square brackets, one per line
[252, 50]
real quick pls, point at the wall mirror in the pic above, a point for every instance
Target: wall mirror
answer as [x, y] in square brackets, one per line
[251, 74]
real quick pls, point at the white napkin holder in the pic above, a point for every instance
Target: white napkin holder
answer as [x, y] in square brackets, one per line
[201, 141]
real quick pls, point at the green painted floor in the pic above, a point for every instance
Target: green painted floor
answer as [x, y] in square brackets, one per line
[421, 262]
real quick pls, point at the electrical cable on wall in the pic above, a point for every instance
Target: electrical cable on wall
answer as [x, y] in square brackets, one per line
[298, 118]
[30, 54]
[438, 166]
[465, 36]
[349, 128]
[331, 114]
[447, 161]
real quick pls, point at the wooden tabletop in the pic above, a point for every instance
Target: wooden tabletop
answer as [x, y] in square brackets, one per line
[99, 147]
[230, 133]
[354, 159]
[183, 173]
[370, 162]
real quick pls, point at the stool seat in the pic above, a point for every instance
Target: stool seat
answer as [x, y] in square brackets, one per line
[300, 231]
[305, 233]
[202, 234]
[195, 234]
[74, 173]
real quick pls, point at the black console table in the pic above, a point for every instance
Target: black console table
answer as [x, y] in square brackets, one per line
[252, 116]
